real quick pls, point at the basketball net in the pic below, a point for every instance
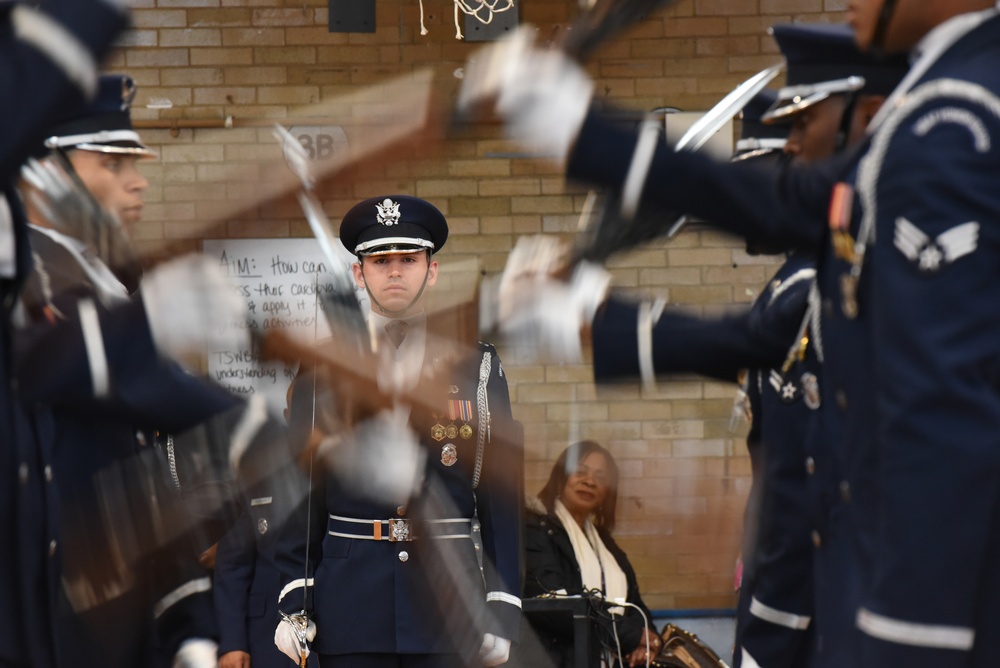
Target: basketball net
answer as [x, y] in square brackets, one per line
[483, 10]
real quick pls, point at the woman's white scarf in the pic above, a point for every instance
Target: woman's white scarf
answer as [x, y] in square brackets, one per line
[594, 558]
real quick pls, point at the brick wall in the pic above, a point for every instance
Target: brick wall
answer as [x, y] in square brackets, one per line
[200, 61]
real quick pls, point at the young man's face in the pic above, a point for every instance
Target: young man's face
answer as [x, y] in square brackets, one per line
[814, 131]
[114, 180]
[395, 280]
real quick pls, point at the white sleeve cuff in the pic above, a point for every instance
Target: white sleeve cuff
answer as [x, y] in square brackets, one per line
[293, 585]
[503, 597]
[189, 588]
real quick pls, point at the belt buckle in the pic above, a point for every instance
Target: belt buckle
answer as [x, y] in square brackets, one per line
[400, 531]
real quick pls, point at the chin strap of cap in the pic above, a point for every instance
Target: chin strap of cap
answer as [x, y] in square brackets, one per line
[882, 27]
[846, 121]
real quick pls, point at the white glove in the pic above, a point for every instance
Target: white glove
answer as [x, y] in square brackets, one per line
[540, 315]
[541, 93]
[380, 460]
[286, 640]
[197, 653]
[494, 651]
[193, 308]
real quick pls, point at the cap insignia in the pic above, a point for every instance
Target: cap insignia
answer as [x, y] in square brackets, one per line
[388, 212]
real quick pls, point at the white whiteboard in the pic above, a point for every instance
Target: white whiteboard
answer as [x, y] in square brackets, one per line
[279, 278]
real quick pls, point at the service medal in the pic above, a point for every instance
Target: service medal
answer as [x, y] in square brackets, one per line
[452, 431]
[449, 454]
[841, 203]
[438, 432]
[465, 432]
[810, 390]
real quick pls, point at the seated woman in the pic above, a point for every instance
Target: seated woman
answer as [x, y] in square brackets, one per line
[569, 550]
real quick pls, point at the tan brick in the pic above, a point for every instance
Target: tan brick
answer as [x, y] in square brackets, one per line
[187, 3]
[698, 257]
[156, 57]
[225, 56]
[298, 16]
[190, 37]
[790, 6]
[576, 412]
[509, 186]
[253, 37]
[433, 189]
[289, 55]
[160, 18]
[308, 35]
[291, 95]
[137, 38]
[192, 76]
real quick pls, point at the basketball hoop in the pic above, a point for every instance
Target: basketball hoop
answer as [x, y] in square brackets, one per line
[482, 10]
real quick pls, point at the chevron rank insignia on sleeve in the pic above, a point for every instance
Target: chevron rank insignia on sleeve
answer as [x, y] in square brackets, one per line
[932, 254]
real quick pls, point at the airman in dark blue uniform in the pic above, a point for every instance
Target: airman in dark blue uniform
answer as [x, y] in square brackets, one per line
[37, 81]
[96, 437]
[907, 331]
[380, 570]
[246, 579]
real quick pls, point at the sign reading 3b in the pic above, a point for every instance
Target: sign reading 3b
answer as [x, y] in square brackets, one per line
[321, 142]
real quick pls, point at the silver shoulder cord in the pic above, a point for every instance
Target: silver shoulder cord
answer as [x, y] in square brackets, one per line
[809, 319]
[483, 406]
[172, 461]
[312, 422]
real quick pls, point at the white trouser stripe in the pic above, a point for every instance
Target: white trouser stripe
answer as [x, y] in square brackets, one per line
[187, 589]
[748, 661]
[59, 45]
[917, 635]
[293, 585]
[779, 617]
[93, 341]
[503, 597]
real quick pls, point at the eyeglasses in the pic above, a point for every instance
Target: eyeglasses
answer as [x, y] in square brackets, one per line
[599, 476]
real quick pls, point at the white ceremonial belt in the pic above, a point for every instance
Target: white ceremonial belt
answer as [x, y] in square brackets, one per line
[398, 529]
